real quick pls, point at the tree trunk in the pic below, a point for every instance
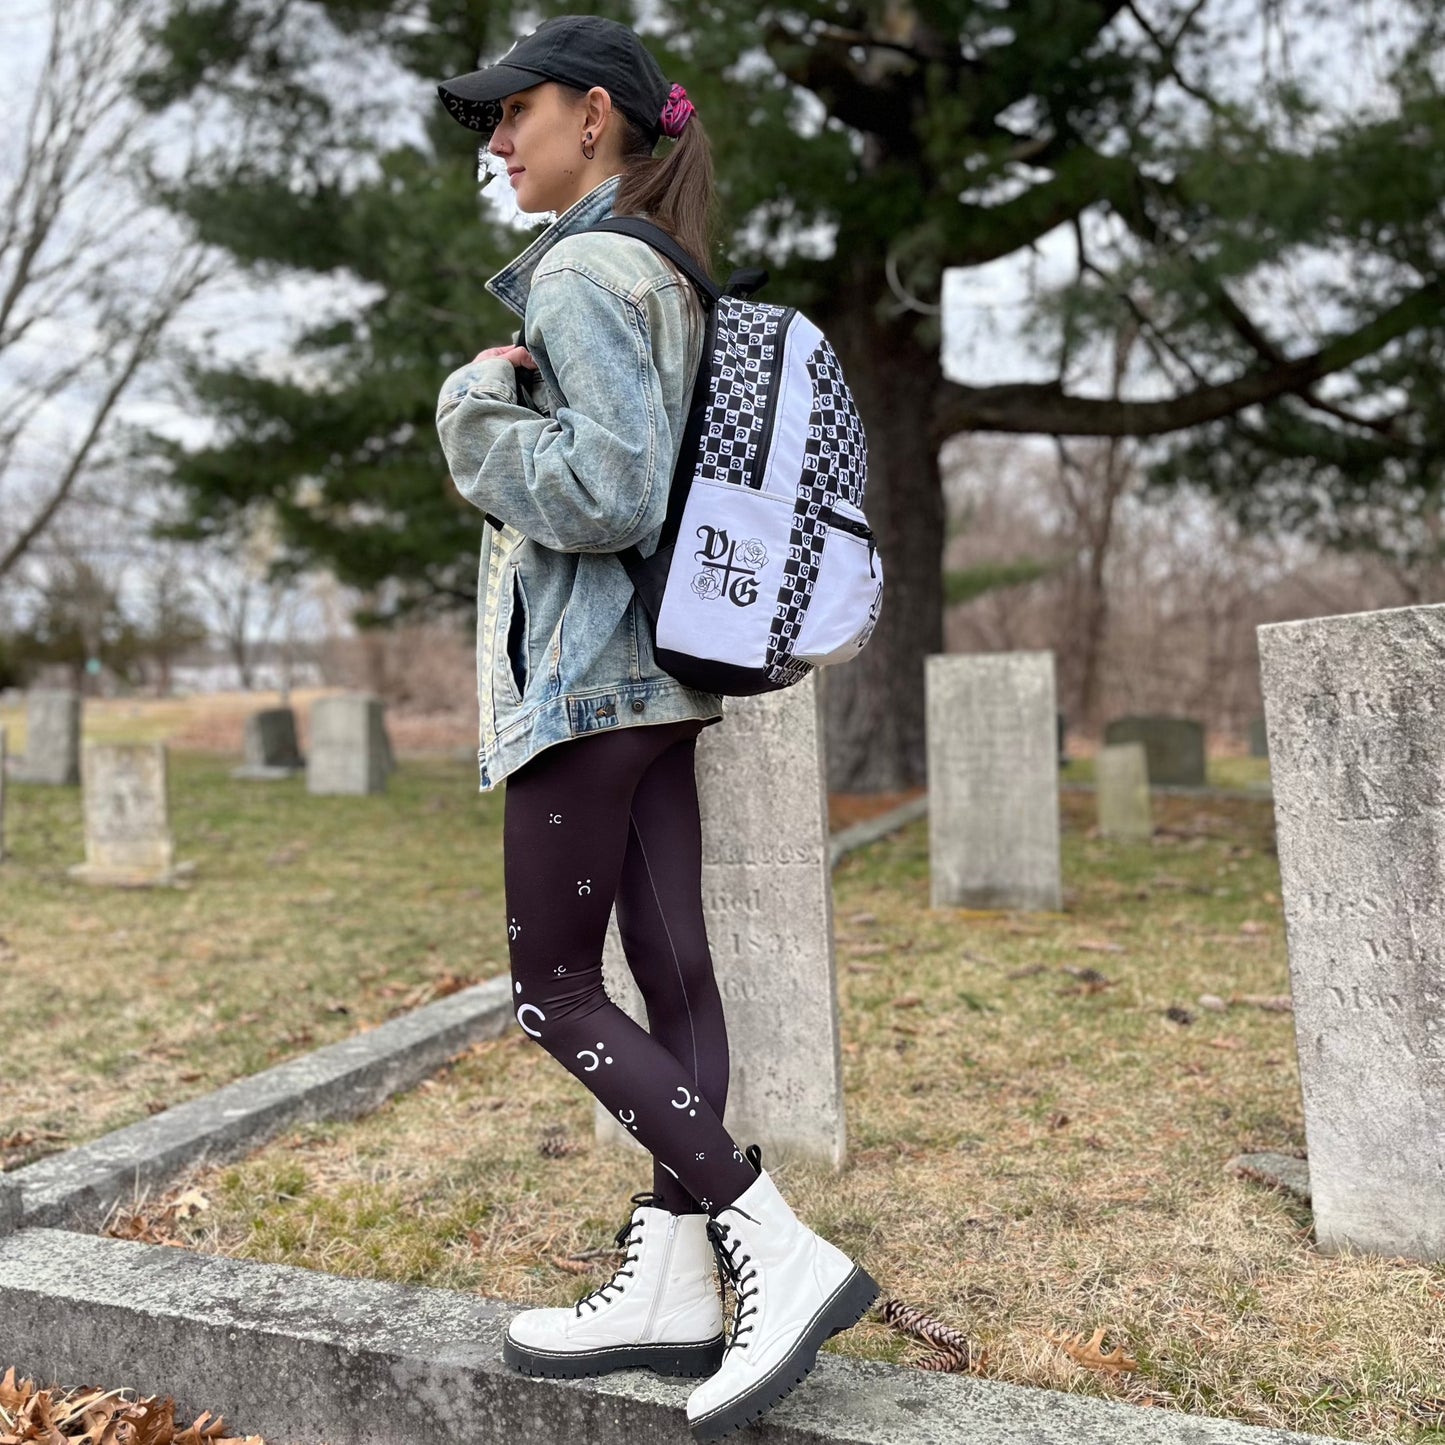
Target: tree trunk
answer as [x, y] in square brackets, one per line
[873, 705]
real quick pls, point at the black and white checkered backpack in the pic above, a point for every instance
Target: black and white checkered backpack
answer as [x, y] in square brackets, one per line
[766, 567]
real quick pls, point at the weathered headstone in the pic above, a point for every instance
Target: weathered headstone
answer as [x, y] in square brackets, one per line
[270, 746]
[127, 828]
[1356, 715]
[350, 752]
[993, 781]
[1258, 738]
[52, 737]
[1121, 776]
[1174, 746]
[768, 905]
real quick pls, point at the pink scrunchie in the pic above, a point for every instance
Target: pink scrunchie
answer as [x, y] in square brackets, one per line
[676, 111]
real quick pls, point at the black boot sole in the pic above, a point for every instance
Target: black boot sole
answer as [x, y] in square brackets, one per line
[842, 1310]
[690, 1361]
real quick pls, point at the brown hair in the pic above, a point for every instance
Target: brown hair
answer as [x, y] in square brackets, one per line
[674, 190]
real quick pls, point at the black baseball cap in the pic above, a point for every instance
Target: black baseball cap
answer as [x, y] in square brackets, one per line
[579, 50]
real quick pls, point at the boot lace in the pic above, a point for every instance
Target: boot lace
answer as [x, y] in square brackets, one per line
[625, 1239]
[731, 1262]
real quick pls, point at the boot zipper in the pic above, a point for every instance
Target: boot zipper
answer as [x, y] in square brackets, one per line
[661, 1282]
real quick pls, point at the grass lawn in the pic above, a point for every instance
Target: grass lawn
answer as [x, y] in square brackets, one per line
[1036, 1144]
[308, 918]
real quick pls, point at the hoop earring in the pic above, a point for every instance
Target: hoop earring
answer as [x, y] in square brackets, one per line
[592, 154]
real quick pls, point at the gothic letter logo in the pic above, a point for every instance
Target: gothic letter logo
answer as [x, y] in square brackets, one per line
[729, 568]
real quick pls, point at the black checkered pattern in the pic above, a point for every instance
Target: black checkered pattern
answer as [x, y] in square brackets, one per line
[835, 464]
[746, 352]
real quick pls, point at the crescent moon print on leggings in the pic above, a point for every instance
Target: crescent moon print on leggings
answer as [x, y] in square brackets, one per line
[588, 1054]
[541, 1019]
[628, 1117]
[688, 1100]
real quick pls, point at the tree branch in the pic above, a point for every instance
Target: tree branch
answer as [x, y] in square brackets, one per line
[1046, 407]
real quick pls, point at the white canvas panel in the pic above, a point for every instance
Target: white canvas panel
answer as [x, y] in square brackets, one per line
[723, 583]
[794, 409]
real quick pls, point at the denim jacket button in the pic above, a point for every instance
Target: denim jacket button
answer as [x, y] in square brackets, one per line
[638, 705]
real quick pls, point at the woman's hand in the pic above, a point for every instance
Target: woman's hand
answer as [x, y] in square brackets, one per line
[519, 356]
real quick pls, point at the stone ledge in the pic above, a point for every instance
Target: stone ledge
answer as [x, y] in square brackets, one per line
[78, 1188]
[306, 1358]
[870, 830]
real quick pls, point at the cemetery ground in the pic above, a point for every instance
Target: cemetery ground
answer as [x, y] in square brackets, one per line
[1039, 1108]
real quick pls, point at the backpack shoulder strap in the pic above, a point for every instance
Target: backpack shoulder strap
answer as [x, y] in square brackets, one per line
[659, 240]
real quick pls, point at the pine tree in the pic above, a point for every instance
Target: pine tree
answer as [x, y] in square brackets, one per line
[947, 135]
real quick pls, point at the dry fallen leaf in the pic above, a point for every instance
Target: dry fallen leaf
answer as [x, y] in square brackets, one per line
[91, 1416]
[1090, 1354]
[571, 1266]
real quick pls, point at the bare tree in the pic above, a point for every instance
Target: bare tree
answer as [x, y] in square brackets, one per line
[91, 276]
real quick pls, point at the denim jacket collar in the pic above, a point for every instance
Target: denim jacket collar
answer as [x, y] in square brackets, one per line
[512, 283]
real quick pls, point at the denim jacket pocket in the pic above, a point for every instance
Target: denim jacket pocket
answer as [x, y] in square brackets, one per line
[518, 649]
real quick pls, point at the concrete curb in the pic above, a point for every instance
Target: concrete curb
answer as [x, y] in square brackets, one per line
[10, 1206]
[872, 829]
[78, 1188]
[1282, 1171]
[303, 1358]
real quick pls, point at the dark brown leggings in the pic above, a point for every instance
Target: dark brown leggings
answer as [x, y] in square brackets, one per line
[614, 816]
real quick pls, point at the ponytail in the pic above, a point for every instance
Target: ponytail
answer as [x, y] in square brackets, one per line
[675, 189]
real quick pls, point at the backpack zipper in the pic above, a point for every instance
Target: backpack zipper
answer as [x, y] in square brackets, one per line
[846, 524]
[785, 322]
[662, 1280]
[857, 529]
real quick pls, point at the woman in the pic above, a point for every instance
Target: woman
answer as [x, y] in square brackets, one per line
[566, 439]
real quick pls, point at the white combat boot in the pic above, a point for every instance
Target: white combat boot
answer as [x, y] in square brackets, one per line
[794, 1289]
[660, 1309]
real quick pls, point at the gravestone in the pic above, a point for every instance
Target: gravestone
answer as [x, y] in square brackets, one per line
[52, 737]
[1121, 775]
[1174, 747]
[993, 781]
[1258, 738]
[350, 751]
[1355, 707]
[127, 830]
[768, 905]
[270, 746]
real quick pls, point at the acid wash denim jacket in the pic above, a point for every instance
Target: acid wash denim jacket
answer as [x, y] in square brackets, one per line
[575, 467]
